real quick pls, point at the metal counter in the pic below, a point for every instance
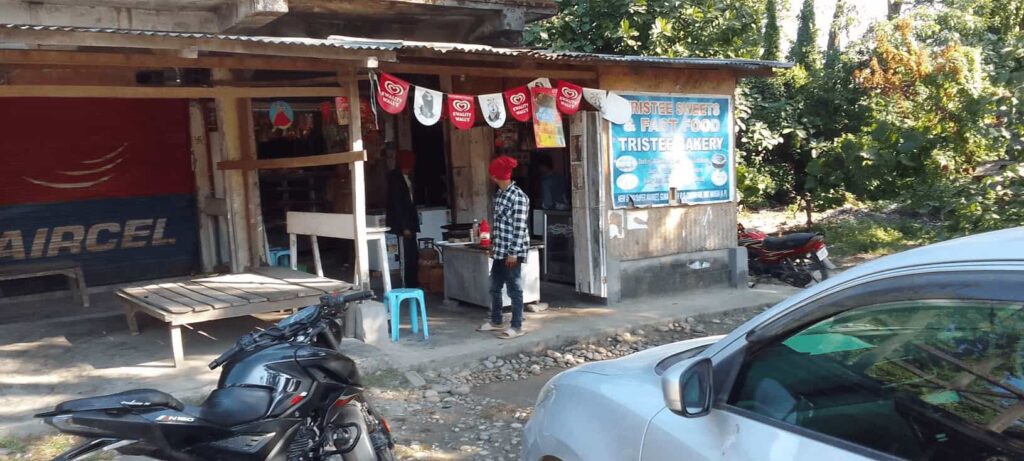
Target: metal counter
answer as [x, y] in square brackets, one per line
[467, 275]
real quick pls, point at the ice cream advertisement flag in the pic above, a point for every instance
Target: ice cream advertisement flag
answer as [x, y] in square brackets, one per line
[427, 105]
[542, 82]
[392, 93]
[518, 100]
[493, 108]
[461, 111]
[569, 97]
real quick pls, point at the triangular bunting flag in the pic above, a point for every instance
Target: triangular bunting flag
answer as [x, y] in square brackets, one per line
[518, 100]
[462, 111]
[493, 109]
[427, 105]
[595, 97]
[392, 93]
[616, 109]
[569, 97]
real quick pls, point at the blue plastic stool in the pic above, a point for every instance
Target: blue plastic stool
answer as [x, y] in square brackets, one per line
[393, 300]
[277, 254]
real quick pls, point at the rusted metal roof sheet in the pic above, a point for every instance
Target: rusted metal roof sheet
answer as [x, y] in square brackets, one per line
[439, 48]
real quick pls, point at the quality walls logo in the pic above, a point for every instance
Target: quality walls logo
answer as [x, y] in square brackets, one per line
[92, 172]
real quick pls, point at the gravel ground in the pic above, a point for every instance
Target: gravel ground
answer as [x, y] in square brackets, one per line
[477, 411]
[469, 411]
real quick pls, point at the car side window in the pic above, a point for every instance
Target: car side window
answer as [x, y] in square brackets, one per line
[925, 379]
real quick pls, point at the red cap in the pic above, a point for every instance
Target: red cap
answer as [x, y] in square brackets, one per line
[501, 167]
[406, 159]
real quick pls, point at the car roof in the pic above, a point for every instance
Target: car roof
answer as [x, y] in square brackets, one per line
[1003, 246]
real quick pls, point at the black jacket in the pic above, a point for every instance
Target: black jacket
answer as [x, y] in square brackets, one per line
[401, 212]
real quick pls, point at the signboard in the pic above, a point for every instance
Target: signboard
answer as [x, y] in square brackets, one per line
[675, 149]
[114, 191]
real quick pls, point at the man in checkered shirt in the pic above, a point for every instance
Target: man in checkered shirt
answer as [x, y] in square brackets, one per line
[510, 241]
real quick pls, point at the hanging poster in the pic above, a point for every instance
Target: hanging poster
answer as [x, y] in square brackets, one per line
[392, 93]
[595, 97]
[569, 97]
[427, 105]
[518, 100]
[462, 111]
[547, 122]
[281, 115]
[493, 109]
[343, 110]
[679, 142]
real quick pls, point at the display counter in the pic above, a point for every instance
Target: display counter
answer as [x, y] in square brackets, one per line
[467, 274]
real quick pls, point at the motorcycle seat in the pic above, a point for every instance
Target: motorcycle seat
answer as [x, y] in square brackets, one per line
[134, 399]
[788, 242]
[231, 406]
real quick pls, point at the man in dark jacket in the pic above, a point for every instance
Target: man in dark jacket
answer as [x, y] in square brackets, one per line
[402, 217]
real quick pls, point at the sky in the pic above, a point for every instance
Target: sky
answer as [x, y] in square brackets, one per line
[867, 11]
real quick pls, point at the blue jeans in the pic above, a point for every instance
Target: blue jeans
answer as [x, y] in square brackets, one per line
[502, 276]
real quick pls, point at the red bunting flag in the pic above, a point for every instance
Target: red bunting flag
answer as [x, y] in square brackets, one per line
[518, 100]
[392, 93]
[569, 97]
[462, 111]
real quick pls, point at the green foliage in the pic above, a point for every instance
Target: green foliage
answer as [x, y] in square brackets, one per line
[805, 50]
[771, 44]
[877, 236]
[908, 113]
[701, 28]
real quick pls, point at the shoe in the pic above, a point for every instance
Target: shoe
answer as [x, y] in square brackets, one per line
[511, 333]
[488, 326]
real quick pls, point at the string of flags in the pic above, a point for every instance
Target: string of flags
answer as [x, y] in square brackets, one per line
[538, 100]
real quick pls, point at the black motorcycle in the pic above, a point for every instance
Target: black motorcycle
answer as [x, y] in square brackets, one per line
[285, 393]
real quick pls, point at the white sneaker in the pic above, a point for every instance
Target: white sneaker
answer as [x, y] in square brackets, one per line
[488, 326]
[511, 333]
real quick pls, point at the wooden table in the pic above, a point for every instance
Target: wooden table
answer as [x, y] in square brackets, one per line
[70, 269]
[264, 289]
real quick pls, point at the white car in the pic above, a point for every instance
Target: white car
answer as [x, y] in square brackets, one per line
[919, 356]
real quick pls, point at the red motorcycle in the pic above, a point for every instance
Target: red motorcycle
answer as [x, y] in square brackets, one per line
[799, 259]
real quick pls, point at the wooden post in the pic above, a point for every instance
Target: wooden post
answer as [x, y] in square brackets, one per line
[234, 184]
[204, 189]
[362, 263]
[234, 116]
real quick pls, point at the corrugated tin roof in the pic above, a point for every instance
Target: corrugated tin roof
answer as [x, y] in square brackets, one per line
[563, 56]
[312, 42]
[369, 44]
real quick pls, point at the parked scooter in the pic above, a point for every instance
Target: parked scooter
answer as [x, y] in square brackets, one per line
[286, 393]
[796, 259]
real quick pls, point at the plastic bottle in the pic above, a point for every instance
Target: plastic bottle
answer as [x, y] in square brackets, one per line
[485, 234]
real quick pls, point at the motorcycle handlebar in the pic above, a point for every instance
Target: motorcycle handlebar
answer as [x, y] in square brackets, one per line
[224, 357]
[335, 299]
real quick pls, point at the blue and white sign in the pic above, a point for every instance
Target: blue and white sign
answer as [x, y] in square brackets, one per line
[673, 142]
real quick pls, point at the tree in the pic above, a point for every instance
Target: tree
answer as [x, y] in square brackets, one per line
[698, 28]
[805, 50]
[771, 45]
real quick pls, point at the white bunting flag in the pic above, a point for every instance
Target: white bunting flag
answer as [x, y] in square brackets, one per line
[493, 108]
[427, 105]
[542, 82]
[595, 97]
[616, 109]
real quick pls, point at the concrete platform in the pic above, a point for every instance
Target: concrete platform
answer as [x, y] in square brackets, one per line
[45, 362]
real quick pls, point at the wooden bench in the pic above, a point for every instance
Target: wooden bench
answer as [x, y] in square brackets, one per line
[261, 290]
[70, 269]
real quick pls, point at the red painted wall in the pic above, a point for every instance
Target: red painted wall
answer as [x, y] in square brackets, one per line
[59, 150]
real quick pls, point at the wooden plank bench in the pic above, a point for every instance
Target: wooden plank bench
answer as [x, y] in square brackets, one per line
[261, 290]
[70, 269]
